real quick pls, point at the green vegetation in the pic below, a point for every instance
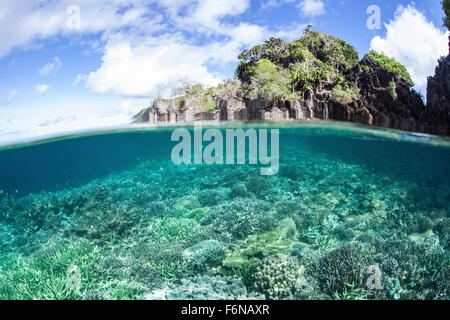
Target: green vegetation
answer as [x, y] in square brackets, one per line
[209, 105]
[279, 70]
[197, 93]
[181, 103]
[351, 292]
[330, 50]
[286, 70]
[393, 89]
[126, 291]
[446, 7]
[307, 76]
[390, 65]
[269, 82]
[346, 95]
[171, 270]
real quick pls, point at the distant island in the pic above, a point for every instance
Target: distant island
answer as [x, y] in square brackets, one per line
[315, 77]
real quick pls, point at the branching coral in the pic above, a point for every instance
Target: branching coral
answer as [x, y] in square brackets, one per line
[339, 268]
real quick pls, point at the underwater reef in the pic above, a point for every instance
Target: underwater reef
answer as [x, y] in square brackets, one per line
[320, 229]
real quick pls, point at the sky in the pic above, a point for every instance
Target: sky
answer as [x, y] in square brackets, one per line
[69, 65]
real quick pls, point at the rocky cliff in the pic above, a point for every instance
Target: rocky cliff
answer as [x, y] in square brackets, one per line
[315, 77]
[438, 94]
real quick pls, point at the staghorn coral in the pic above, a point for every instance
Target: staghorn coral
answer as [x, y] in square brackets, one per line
[339, 268]
[204, 255]
[211, 197]
[241, 217]
[172, 229]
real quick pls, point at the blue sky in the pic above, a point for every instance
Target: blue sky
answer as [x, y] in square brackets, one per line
[77, 64]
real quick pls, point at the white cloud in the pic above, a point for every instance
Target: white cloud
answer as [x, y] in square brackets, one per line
[208, 13]
[138, 66]
[148, 70]
[50, 67]
[147, 46]
[274, 3]
[413, 41]
[312, 7]
[41, 88]
[11, 96]
[145, 52]
[25, 23]
[292, 32]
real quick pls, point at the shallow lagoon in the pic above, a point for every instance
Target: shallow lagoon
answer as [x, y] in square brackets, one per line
[354, 213]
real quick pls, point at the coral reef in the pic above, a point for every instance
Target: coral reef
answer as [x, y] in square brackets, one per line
[211, 286]
[343, 201]
[279, 277]
[204, 255]
[340, 268]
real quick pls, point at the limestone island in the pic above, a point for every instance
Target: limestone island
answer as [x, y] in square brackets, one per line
[317, 77]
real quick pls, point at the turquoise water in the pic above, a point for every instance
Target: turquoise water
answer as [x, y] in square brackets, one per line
[354, 213]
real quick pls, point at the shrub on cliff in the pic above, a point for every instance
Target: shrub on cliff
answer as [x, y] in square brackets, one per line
[209, 104]
[269, 82]
[306, 76]
[329, 49]
[390, 65]
[346, 95]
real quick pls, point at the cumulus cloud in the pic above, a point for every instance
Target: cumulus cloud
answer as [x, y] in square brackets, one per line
[146, 66]
[312, 7]
[143, 70]
[50, 67]
[413, 41]
[209, 13]
[11, 96]
[25, 23]
[41, 88]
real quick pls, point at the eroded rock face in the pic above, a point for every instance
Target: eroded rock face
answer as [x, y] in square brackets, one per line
[380, 103]
[438, 97]
[438, 90]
